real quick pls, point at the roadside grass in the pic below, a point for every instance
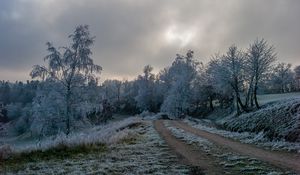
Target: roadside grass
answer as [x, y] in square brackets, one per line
[132, 149]
[19, 160]
[94, 141]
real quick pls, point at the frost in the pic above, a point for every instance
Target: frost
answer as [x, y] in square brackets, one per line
[148, 154]
[189, 138]
[232, 163]
[259, 139]
[107, 134]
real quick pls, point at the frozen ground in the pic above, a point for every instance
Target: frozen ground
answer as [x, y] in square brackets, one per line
[231, 163]
[145, 153]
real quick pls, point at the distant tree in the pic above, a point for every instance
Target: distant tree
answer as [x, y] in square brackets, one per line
[215, 78]
[72, 67]
[145, 94]
[297, 76]
[203, 95]
[112, 92]
[106, 111]
[128, 94]
[5, 93]
[179, 79]
[282, 77]
[260, 57]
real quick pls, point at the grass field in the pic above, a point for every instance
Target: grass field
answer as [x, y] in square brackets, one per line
[263, 99]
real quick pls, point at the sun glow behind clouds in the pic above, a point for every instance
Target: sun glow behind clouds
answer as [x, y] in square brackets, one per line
[179, 36]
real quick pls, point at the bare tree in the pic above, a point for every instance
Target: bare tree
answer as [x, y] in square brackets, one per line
[234, 62]
[72, 67]
[260, 58]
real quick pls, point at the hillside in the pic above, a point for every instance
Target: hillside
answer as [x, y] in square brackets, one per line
[278, 120]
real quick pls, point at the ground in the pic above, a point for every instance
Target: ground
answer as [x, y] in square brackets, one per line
[146, 153]
[225, 155]
[135, 146]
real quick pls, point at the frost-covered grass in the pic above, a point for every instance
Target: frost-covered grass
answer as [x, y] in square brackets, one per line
[142, 153]
[232, 163]
[245, 137]
[278, 120]
[267, 98]
[105, 134]
[189, 138]
[60, 146]
[277, 125]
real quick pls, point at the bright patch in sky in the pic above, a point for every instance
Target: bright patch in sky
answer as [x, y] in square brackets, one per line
[179, 36]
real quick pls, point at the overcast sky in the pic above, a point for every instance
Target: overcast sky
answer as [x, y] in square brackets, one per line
[133, 33]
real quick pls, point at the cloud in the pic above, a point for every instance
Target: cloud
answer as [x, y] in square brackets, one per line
[133, 33]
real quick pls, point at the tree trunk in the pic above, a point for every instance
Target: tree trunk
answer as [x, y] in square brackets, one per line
[237, 107]
[255, 96]
[251, 100]
[239, 101]
[244, 108]
[249, 93]
[211, 105]
[68, 110]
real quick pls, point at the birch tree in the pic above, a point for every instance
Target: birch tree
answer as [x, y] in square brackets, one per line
[71, 66]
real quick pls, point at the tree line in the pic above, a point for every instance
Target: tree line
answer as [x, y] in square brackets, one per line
[66, 93]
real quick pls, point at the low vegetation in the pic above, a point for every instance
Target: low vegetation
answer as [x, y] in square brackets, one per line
[278, 120]
[143, 152]
[94, 139]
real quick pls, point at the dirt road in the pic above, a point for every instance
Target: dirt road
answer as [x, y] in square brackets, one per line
[279, 159]
[187, 153]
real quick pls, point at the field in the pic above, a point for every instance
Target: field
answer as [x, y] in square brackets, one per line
[267, 98]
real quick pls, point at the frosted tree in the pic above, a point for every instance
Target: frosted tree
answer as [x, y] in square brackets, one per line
[112, 91]
[145, 83]
[297, 76]
[129, 92]
[179, 79]
[233, 63]
[260, 57]
[215, 78]
[5, 91]
[70, 66]
[282, 77]
[204, 92]
[228, 72]
[47, 108]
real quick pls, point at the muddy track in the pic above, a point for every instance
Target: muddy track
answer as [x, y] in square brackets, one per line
[279, 159]
[187, 153]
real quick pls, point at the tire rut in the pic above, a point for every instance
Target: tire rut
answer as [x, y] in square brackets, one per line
[187, 153]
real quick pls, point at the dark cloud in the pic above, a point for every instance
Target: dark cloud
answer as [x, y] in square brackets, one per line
[133, 33]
